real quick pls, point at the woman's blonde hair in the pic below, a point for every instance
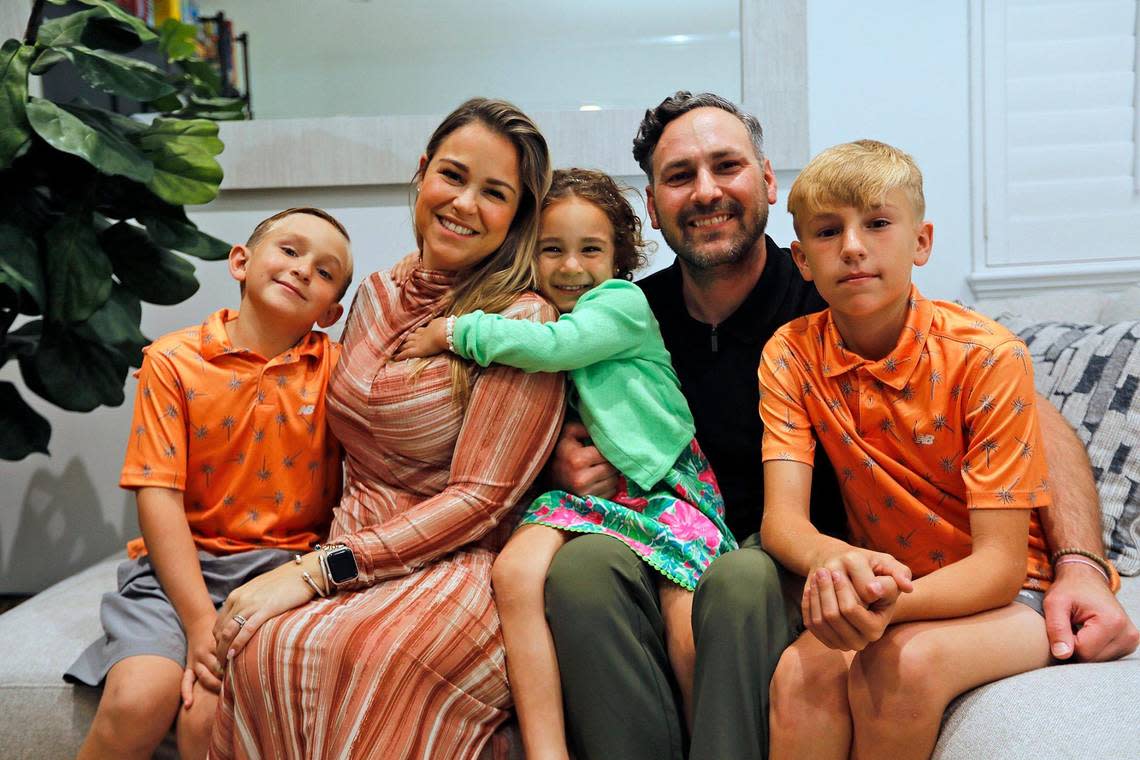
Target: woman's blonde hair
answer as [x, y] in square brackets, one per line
[496, 282]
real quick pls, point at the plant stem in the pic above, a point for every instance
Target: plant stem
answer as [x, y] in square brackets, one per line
[34, 22]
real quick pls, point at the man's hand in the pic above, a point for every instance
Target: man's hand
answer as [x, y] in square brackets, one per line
[261, 599]
[1084, 619]
[576, 466]
[429, 340]
[201, 663]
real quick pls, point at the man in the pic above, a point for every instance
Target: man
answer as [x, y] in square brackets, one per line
[729, 290]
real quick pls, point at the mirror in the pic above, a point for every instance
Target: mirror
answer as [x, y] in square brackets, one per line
[402, 57]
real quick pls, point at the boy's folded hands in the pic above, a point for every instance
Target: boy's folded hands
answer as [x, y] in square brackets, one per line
[849, 601]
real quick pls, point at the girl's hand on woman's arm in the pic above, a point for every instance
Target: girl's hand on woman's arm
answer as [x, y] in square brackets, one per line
[261, 599]
[429, 340]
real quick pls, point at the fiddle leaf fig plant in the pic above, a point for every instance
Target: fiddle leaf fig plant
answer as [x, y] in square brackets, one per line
[91, 206]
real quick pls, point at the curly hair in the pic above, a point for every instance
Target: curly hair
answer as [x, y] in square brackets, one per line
[600, 189]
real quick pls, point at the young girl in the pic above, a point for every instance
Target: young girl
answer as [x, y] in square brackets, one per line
[668, 508]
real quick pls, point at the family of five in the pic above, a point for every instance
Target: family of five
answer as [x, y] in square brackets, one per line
[794, 508]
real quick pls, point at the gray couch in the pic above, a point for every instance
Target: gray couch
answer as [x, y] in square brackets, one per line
[1073, 711]
[1070, 711]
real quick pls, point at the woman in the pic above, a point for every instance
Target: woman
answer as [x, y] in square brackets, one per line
[409, 662]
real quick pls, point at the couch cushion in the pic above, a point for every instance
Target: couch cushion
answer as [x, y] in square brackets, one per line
[1091, 373]
[41, 716]
[1073, 710]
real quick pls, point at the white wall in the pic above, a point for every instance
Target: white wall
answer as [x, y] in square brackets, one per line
[896, 71]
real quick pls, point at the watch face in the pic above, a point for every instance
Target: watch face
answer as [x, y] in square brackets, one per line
[342, 565]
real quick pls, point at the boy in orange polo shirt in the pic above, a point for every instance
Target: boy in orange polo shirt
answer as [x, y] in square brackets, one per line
[925, 410]
[234, 472]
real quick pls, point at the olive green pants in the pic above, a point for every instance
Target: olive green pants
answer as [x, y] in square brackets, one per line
[620, 695]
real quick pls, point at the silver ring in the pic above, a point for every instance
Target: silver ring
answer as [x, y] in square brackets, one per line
[240, 621]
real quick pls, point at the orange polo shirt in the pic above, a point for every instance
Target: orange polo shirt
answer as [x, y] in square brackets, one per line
[244, 438]
[941, 425]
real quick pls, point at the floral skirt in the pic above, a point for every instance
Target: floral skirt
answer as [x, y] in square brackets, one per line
[677, 527]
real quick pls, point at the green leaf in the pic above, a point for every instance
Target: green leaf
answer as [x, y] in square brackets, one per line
[78, 271]
[46, 60]
[119, 74]
[167, 104]
[25, 340]
[214, 109]
[183, 151]
[116, 325]
[177, 41]
[182, 235]
[20, 263]
[218, 104]
[104, 26]
[22, 430]
[119, 16]
[153, 273]
[92, 135]
[15, 134]
[205, 76]
[67, 30]
[74, 373]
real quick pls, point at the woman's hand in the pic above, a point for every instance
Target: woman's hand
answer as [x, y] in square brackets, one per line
[263, 598]
[429, 340]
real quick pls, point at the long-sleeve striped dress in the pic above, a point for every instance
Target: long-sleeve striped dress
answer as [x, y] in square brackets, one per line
[410, 665]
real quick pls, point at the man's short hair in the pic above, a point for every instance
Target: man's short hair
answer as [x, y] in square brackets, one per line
[266, 224]
[678, 104]
[857, 174]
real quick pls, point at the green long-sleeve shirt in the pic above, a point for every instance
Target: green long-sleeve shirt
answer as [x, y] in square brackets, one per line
[628, 394]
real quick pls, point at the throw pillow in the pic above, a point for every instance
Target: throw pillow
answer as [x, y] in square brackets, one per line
[1091, 373]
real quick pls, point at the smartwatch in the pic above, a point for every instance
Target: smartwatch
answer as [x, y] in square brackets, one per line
[340, 563]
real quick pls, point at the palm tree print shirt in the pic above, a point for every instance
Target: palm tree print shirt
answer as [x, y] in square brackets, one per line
[941, 425]
[243, 437]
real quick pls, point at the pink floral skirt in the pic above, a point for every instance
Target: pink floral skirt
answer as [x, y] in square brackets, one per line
[677, 526]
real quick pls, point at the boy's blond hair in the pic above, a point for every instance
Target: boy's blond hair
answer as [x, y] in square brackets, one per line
[857, 174]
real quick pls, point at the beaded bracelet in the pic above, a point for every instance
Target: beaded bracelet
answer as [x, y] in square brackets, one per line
[1102, 564]
[449, 331]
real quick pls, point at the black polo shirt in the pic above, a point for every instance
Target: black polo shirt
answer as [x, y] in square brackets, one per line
[717, 368]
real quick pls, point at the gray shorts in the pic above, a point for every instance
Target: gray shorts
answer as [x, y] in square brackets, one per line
[139, 619]
[1034, 600]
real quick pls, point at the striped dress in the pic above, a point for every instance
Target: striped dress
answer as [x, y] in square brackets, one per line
[410, 664]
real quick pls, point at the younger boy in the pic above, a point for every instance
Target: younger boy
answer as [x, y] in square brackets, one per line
[233, 470]
[925, 410]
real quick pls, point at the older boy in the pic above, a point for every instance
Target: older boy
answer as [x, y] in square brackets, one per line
[923, 408]
[233, 471]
